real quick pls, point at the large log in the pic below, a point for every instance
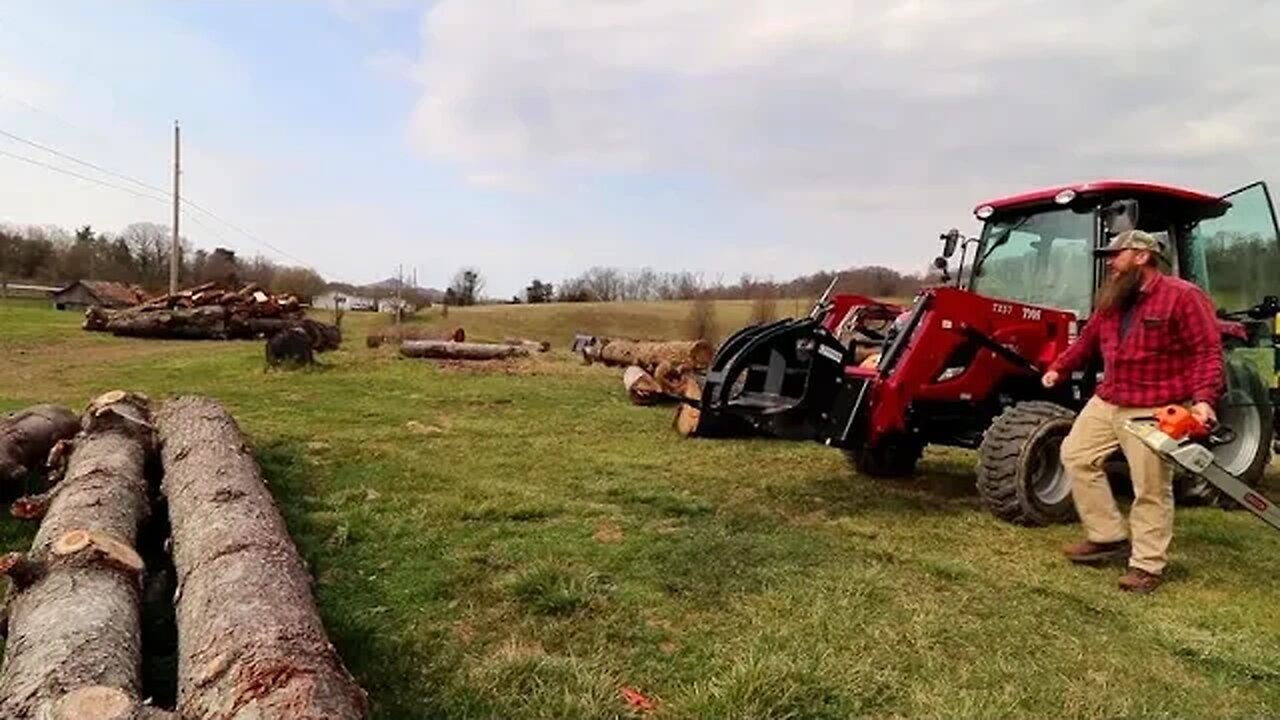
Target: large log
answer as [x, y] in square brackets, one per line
[75, 598]
[250, 641]
[448, 350]
[396, 335]
[695, 354]
[27, 436]
[537, 346]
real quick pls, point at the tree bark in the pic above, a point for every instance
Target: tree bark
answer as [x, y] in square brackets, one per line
[250, 641]
[448, 350]
[74, 606]
[696, 354]
[27, 436]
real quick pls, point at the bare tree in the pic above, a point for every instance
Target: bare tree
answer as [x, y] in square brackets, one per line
[466, 286]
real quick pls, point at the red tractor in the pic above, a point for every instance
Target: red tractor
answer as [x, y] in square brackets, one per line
[962, 365]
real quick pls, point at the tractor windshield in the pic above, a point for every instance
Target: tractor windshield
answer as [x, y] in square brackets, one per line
[1041, 258]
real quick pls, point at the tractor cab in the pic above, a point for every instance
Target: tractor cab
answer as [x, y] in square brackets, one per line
[1037, 247]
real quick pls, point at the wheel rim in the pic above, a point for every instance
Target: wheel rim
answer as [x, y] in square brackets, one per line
[1046, 477]
[1244, 417]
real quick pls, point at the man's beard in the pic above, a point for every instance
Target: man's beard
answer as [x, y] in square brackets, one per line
[1120, 291]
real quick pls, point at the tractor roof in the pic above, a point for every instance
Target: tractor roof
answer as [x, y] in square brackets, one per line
[1201, 201]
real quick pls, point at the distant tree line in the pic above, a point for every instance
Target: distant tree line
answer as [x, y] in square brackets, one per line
[139, 255]
[608, 284]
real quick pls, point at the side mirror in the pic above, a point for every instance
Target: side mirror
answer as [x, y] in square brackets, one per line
[1120, 216]
[950, 239]
[941, 264]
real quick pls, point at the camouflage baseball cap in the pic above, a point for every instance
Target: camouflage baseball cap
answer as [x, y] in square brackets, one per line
[1136, 240]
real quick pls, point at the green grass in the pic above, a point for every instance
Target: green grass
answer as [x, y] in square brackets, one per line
[518, 541]
[559, 323]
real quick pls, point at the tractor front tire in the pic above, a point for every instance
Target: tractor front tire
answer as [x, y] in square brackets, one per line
[1020, 475]
[892, 457]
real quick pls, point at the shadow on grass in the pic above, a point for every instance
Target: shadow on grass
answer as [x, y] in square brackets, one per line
[855, 495]
[405, 672]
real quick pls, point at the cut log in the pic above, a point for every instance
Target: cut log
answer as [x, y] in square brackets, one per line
[689, 413]
[390, 334]
[104, 703]
[74, 606]
[538, 346]
[448, 350]
[26, 439]
[641, 387]
[695, 354]
[250, 641]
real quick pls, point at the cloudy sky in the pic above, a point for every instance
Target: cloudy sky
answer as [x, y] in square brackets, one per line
[540, 137]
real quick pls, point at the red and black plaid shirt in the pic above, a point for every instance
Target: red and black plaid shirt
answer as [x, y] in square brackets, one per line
[1171, 351]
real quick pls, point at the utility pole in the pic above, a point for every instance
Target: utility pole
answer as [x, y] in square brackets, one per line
[177, 173]
[399, 285]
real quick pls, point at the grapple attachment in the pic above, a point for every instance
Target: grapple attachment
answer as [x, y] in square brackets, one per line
[779, 378]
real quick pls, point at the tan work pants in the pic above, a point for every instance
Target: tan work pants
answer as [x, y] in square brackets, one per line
[1097, 432]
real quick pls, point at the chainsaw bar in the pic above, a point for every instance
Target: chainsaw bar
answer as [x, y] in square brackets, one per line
[1198, 459]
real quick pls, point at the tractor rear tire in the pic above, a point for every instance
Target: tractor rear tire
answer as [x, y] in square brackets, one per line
[1020, 475]
[892, 457]
[1247, 411]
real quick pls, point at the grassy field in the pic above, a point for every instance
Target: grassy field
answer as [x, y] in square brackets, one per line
[517, 541]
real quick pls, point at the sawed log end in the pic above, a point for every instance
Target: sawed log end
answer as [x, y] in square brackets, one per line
[92, 545]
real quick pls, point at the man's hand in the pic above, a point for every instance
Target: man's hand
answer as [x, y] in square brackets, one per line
[1203, 412]
[1049, 379]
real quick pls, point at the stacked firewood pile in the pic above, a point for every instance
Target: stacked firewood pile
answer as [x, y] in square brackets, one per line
[249, 641]
[213, 312]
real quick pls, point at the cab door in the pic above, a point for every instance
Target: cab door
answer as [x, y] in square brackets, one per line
[1235, 257]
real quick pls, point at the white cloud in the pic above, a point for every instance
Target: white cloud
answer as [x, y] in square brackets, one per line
[840, 109]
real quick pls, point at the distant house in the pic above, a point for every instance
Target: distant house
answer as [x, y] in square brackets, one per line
[334, 298]
[389, 305]
[82, 294]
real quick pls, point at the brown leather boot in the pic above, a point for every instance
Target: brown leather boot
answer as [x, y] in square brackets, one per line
[1140, 581]
[1088, 552]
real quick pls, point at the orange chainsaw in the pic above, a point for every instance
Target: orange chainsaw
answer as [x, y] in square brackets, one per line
[1178, 437]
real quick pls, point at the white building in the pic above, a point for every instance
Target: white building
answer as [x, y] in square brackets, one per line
[335, 298]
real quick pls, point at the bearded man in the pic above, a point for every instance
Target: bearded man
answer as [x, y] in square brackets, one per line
[1159, 342]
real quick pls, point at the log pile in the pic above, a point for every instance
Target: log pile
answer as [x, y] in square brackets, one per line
[211, 312]
[26, 439]
[250, 643]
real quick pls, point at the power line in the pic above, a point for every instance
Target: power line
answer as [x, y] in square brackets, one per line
[54, 116]
[74, 174]
[149, 186]
[243, 232]
[78, 161]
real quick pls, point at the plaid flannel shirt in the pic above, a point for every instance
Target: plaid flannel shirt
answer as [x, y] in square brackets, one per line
[1170, 353]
